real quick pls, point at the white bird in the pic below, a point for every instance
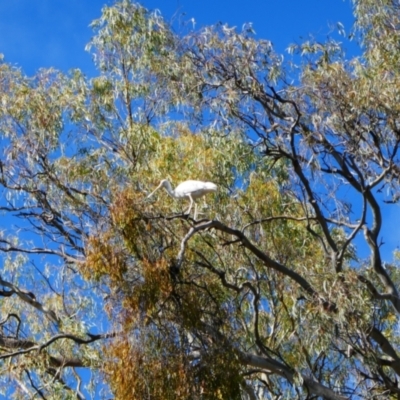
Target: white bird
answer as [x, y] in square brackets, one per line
[191, 189]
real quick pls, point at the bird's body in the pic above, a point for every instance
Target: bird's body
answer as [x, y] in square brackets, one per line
[195, 189]
[190, 189]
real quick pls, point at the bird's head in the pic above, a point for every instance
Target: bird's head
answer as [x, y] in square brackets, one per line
[163, 183]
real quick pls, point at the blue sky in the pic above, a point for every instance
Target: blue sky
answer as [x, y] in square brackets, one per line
[46, 33]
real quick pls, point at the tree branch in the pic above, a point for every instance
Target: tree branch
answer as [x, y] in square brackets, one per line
[270, 263]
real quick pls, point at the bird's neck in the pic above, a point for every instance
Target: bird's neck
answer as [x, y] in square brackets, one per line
[169, 189]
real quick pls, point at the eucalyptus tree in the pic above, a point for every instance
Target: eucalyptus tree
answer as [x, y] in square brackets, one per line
[265, 294]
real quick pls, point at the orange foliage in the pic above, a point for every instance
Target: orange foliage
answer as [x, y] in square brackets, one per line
[152, 289]
[104, 258]
[142, 373]
[125, 206]
[154, 365]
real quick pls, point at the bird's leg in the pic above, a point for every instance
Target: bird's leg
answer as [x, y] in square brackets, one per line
[191, 205]
[195, 211]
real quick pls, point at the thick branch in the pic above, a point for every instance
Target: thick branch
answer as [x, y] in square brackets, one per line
[376, 262]
[269, 262]
[27, 346]
[275, 367]
[29, 298]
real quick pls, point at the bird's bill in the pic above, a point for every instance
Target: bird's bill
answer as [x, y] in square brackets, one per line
[155, 190]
